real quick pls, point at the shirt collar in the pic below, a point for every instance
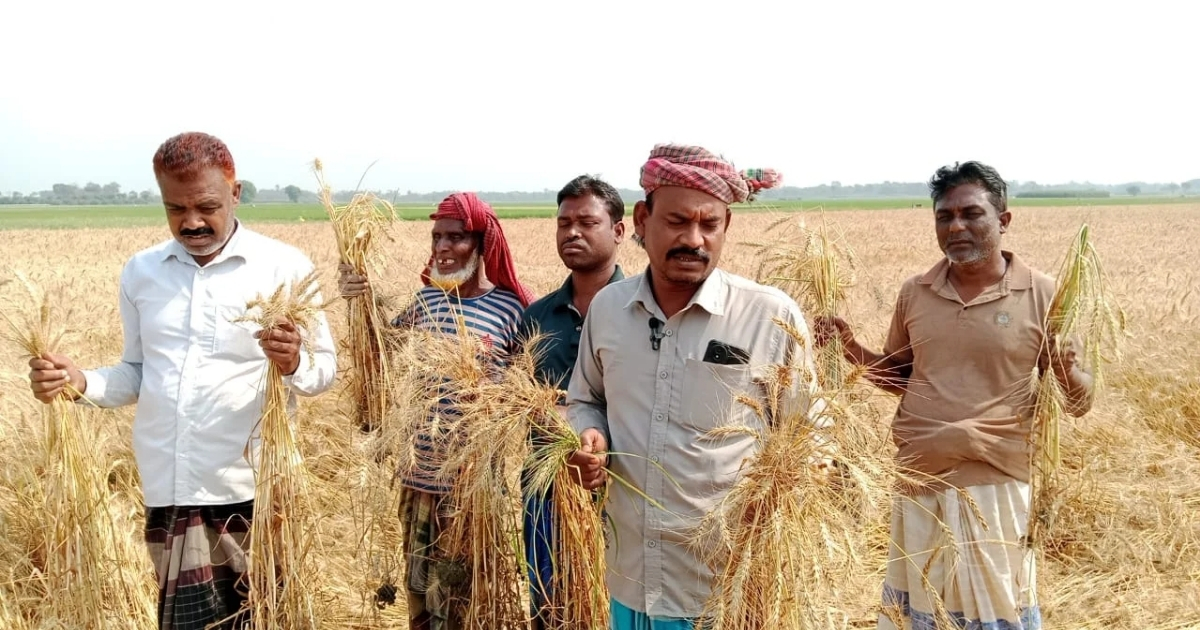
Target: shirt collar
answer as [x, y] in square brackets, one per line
[1018, 276]
[710, 296]
[235, 247]
[564, 295]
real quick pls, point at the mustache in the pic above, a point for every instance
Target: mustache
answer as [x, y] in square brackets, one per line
[197, 232]
[688, 251]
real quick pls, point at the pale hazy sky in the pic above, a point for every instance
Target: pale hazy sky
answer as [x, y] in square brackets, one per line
[524, 95]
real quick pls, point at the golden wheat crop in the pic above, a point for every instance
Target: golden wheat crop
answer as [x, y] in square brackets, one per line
[1125, 551]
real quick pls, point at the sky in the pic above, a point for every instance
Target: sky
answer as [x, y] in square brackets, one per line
[524, 95]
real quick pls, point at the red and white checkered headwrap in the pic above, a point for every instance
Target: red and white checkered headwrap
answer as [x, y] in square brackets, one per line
[698, 168]
[478, 216]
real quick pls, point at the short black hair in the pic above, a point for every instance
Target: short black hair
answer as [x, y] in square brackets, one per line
[949, 177]
[598, 188]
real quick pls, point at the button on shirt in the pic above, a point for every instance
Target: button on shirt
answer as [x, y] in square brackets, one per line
[657, 406]
[195, 375]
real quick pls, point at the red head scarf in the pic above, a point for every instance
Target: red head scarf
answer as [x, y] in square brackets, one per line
[696, 167]
[477, 216]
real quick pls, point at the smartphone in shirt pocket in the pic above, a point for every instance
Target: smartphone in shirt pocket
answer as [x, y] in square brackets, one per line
[712, 385]
[721, 353]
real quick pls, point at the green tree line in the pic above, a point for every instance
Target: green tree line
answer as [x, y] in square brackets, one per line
[112, 194]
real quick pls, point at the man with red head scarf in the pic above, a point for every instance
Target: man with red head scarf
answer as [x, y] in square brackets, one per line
[477, 217]
[470, 277]
[656, 401]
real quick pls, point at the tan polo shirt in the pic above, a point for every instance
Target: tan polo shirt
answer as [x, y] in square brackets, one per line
[972, 364]
[655, 407]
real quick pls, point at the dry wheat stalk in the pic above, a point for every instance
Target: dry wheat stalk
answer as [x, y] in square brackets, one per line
[789, 535]
[577, 597]
[87, 576]
[282, 573]
[485, 447]
[1081, 308]
[815, 268]
[358, 227]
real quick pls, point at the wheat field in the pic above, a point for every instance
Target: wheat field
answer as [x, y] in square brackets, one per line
[1126, 553]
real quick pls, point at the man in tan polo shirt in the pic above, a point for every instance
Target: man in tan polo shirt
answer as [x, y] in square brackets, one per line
[964, 341]
[661, 356]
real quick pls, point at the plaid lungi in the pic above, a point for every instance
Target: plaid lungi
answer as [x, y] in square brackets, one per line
[438, 588]
[199, 556]
[984, 578]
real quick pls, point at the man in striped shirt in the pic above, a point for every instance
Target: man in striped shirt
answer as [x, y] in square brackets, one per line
[470, 275]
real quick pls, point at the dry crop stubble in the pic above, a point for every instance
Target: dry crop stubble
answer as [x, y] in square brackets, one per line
[1126, 550]
[72, 557]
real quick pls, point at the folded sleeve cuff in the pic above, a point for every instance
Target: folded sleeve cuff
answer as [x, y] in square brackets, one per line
[96, 391]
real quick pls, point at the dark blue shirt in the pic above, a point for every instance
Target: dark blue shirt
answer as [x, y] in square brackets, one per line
[555, 316]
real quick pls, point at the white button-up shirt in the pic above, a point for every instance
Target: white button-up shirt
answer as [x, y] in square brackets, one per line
[196, 376]
[655, 407]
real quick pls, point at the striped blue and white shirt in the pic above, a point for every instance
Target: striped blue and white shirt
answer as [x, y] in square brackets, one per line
[494, 318]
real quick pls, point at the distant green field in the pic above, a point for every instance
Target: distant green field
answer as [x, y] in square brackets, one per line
[69, 217]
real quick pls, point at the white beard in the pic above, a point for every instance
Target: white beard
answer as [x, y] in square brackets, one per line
[450, 281]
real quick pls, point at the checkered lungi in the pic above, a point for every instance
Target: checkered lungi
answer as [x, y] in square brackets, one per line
[438, 588]
[199, 556]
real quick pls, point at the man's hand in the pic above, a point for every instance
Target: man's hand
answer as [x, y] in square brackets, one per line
[1059, 356]
[589, 461]
[50, 374]
[350, 284]
[825, 329]
[1075, 381]
[282, 346]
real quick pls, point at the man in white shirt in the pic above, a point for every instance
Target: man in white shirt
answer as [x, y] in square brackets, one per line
[196, 378]
[653, 397]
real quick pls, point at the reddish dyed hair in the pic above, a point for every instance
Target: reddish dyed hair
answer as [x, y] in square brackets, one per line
[184, 156]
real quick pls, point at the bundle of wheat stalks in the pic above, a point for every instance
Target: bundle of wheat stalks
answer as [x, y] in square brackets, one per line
[816, 268]
[487, 448]
[1081, 309]
[281, 570]
[81, 569]
[444, 391]
[577, 596]
[786, 540]
[357, 227]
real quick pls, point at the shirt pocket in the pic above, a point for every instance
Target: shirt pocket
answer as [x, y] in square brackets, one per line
[234, 340]
[710, 392]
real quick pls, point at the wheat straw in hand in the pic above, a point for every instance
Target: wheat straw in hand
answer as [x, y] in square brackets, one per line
[282, 573]
[815, 268]
[89, 579]
[788, 537]
[577, 596]
[1081, 309]
[358, 227]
